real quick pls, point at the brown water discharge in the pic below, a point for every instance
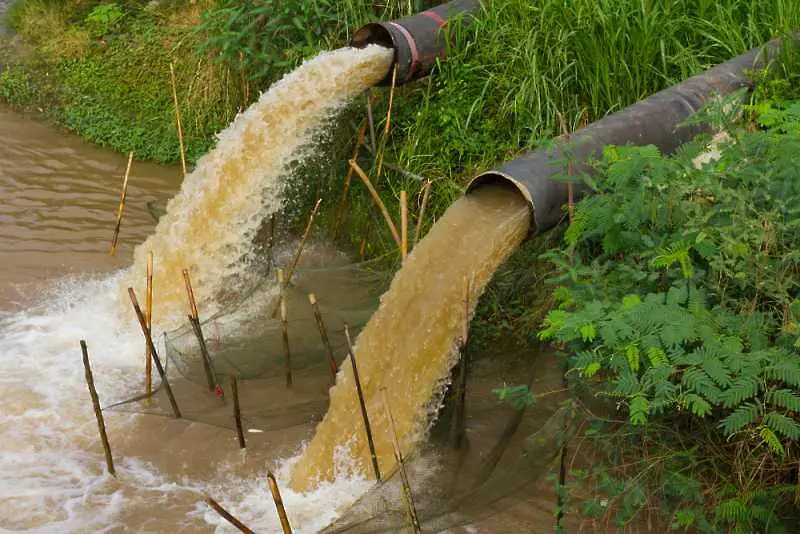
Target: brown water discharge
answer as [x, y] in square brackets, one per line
[408, 346]
[210, 224]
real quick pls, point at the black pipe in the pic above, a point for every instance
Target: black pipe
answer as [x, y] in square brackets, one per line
[418, 41]
[655, 120]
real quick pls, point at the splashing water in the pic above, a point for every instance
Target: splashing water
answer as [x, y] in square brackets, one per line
[210, 224]
[407, 348]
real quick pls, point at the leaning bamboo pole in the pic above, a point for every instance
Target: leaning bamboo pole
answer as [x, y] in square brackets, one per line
[403, 225]
[378, 201]
[398, 456]
[227, 515]
[276, 496]
[148, 338]
[426, 192]
[98, 412]
[364, 416]
[194, 321]
[121, 208]
[296, 259]
[237, 413]
[385, 138]
[341, 212]
[148, 304]
[323, 334]
[178, 117]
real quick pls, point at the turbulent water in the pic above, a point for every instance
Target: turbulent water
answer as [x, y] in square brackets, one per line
[209, 226]
[408, 346]
[58, 220]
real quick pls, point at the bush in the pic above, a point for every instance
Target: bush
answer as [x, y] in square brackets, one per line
[679, 297]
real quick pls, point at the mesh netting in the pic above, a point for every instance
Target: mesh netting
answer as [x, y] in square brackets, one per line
[506, 451]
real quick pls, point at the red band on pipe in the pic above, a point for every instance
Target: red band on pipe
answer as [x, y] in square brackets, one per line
[435, 17]
[412, 46]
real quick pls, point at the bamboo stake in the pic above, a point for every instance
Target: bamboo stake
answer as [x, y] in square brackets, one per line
[121, 208]
[300, 247]
[371, 124]
[323, 333]
[178, 117]
[98, 412]
[237, 414]
[148, 304]
[403, 225]
[302, 244]
[227, 515]
[425, 194]
[346, 189]
[287, 353]
[398, 455]
[388, 122]
[194, 321]
[364, 416]
[378, 201]
[276, 496]
[154, 353]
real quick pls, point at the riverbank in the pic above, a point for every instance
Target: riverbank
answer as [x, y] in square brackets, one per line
[475, 110]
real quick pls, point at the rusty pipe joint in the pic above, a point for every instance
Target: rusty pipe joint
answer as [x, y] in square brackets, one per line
[418, 41]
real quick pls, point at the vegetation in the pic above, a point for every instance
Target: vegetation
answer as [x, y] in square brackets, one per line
[678, 302]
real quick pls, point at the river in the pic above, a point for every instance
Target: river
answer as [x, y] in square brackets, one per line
[60, 197]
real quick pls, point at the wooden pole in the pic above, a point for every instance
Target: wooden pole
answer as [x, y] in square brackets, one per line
[121, 208]
[398, 455]
[148, 304]
[194, 321]
[276, 496]
[98, 412]
[364, 416]
[178, 117]
[237, 414]
[227, 515]
[388, 121]
[323, 333]
[300, 247]
[371, 121]
[303, 240]
[287, 354]
[403, 225]
[425, 194]
[337, 225]
[378, 201]
[154, 353]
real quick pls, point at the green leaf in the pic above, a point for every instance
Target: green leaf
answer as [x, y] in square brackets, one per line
[587, 331]
[630, 301]
[591, 369]
[640, 409]
[657, 356]
[771, 440]
[632, 354]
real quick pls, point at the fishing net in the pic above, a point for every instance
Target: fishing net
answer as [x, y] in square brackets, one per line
[505, 451]
[245, 339]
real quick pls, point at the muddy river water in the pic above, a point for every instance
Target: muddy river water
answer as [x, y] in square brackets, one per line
[58, 201]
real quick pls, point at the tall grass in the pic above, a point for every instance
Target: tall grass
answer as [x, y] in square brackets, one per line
[520, 62]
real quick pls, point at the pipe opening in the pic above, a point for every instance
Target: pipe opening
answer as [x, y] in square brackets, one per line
[373, 33]
[499, 179]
